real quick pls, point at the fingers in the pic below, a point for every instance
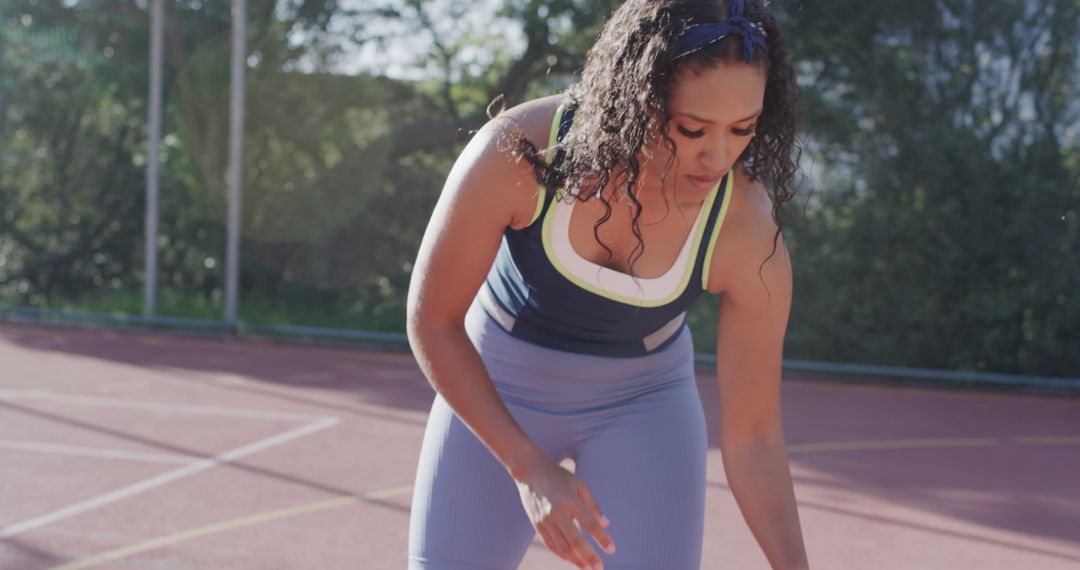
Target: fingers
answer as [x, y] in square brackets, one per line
[592, 526]
[564, 523]
[563, 536]
[596, 523]
[580, 552]
[590, 503]
[556, 540]
[553, 539]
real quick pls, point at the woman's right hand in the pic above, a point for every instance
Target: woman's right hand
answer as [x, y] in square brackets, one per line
[557, 502]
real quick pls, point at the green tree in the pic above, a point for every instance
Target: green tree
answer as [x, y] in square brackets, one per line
[946, 228]
[937, 224]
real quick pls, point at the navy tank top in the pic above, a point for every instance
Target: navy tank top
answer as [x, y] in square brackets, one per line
[541, 291]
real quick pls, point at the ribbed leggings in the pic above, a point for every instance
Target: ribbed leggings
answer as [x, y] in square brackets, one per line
[634, 428]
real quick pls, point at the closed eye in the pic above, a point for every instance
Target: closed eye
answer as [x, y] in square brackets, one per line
[690, 134]
[745, 132]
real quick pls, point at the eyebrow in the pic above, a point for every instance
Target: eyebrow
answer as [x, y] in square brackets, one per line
[701, 120]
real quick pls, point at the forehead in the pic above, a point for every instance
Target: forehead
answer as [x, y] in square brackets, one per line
[724, 93]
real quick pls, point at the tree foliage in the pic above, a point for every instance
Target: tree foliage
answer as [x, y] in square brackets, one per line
[946, 137]
[937, 225]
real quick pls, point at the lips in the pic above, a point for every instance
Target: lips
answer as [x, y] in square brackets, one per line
[704, 181]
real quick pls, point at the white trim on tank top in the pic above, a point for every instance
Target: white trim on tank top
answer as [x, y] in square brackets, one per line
[610, 280]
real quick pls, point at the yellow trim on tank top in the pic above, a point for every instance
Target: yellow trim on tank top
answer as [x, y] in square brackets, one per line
[706, 207]
[553, 136]
[716, 231]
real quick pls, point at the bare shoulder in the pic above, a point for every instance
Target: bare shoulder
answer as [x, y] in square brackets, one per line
[746, 239]
[755, 204]
[486, 190]
[513, 178]
[534, 116]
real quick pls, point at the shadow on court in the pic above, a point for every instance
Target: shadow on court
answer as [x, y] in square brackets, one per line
[124, 450]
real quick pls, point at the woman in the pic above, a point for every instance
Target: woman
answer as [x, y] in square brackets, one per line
[551, 320]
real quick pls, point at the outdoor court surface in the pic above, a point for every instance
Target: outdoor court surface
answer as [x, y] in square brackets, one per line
[157, 451]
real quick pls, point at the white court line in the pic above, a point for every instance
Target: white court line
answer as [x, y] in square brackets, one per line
[152, 406]
[159, 480]
[97, 452]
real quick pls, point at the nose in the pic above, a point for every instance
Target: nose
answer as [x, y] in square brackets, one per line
[712, 157]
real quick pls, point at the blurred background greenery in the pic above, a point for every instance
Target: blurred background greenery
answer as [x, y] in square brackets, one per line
[936, 220]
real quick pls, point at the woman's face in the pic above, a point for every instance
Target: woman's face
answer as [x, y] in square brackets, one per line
[713, 116]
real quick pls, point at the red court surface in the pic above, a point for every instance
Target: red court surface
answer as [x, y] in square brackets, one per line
[157, 451]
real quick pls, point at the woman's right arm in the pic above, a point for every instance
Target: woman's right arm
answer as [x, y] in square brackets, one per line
[483, 191]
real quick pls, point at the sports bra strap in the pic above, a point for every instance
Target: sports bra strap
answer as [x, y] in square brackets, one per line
[560, 153]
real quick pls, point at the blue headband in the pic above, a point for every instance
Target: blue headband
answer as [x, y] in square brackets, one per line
[697, 36]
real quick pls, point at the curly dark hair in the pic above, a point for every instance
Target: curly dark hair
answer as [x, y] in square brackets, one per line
[628, 77]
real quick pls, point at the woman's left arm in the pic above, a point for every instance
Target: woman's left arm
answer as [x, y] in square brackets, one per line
[753, 318]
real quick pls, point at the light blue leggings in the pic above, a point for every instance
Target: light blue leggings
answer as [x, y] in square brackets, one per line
[633, 426]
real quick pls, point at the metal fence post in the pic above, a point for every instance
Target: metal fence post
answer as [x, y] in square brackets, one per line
[153, 139]
[236, 148]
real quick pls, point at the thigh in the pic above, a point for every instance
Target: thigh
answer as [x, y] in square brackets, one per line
[645, 464]
[466, 512]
